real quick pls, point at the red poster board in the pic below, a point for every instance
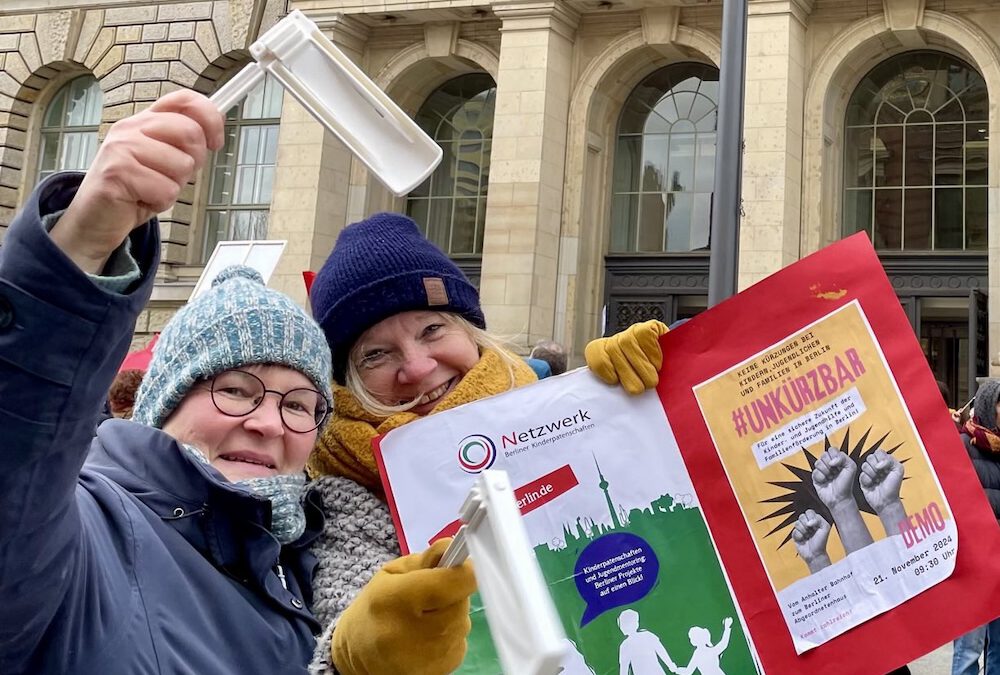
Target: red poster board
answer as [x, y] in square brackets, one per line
[846, 276]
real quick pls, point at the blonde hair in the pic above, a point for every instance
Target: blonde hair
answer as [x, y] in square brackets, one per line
[481, 338]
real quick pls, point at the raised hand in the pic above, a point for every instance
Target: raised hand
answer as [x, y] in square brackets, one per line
[880, 480]
[139, 170]
[810, 534]
[833, 477]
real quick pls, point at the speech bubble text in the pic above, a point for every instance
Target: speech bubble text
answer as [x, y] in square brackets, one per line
[614, 570]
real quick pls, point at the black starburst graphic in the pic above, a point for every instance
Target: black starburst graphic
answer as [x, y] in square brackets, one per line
[800, 494]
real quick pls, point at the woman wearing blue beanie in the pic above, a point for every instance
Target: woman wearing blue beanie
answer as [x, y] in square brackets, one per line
[177, 542]
[408, 339]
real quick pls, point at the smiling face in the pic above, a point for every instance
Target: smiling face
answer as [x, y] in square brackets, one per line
[257, 445]
[414, 356]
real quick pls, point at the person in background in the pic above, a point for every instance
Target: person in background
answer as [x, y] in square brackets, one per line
[177, 542]
[981, 437]
[408, 339]
[121, 396]
[552, 353]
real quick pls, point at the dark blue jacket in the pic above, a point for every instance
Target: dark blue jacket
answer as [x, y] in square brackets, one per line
[140, 561]
[987, 467]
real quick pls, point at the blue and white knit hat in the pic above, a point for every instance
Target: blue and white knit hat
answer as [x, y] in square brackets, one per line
[238, 322]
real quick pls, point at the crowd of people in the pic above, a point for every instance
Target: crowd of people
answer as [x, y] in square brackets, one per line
[228, 516]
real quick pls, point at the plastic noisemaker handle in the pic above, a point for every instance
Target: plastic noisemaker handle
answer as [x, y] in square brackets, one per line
[342, 98]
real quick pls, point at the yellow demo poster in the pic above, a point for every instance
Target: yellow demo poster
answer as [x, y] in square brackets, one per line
[835, 484]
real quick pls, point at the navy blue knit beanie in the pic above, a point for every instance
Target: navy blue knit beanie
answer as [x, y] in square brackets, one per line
[378, 268]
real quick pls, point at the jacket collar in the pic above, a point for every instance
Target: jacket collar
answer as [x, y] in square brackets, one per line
[227, 524]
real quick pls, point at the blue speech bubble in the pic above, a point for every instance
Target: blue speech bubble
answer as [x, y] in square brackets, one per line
[614, 570]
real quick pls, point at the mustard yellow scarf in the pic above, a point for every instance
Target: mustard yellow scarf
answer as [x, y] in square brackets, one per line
[345, 446]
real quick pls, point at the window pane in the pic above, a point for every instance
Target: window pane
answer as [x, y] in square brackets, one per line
[222, 186]
[701, 222]
[654, 162]
[975, 219]
[215, 231]
[628, 156]
[49, 153]
[248, 225]
[624, 215]
[976, 153]
[54, 114]
[704, 179]
[888, 219]
[245, 177]
[681, 162]
[652, 216]
[888, 156]
[857, 211]
[858, 158]
[417, 210]
[948, 212]
[917, 214]
[919, 154]
[948, 154]
[249, 145]
[439, 221]
[678, 208]
[463, 233]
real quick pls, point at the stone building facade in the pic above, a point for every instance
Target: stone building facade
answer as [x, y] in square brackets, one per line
[579, 145]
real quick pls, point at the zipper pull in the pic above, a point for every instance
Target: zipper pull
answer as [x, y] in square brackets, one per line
[281, 576]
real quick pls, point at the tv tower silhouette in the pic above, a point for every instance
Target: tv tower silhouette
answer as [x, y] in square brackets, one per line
[604, 488]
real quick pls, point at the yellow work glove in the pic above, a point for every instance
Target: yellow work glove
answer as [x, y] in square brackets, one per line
[632, 357]
[412, 617]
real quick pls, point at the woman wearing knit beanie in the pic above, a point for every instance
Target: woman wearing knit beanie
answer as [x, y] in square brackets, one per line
[177, 542]
[981, 435]
[408, 339]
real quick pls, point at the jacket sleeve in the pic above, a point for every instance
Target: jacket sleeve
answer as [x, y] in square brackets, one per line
[62, 337]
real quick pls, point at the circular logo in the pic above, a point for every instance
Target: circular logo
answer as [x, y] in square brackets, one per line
[475, 453]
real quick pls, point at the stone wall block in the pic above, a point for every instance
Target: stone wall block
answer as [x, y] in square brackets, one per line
[154, 32]
[146, 91]
[91, 24]
[120, 94]
[138, 52]
[9, 42]
[208, 41]
[184, 11]
[134, 15]
[15, 66]
[114, 58]
[181, 74]
[193, 57]
[28, 47]
[166, 51]
[128, 34]
[54, 30]
[116, 77]
[19, 23]
[149, 71]
[181, 30]
[102, 43]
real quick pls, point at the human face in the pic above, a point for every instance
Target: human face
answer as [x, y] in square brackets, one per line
[257, 445]
[414, 356]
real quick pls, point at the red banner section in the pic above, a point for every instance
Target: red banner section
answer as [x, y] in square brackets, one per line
[529, 497]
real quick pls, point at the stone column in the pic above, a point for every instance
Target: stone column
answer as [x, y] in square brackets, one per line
[521, 244]
[310, 197]
[772, 161]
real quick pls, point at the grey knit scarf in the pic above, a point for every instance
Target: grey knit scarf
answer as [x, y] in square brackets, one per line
[284, 491]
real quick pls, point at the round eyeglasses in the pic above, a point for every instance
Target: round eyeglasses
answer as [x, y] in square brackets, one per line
[237, 393]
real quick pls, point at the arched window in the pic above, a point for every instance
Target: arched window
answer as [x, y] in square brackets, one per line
[664, 168]
[915, 155]
[242, 172]
[450, 206]
[69, 128]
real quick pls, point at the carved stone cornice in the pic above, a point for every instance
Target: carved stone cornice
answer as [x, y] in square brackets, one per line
[532, 15]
